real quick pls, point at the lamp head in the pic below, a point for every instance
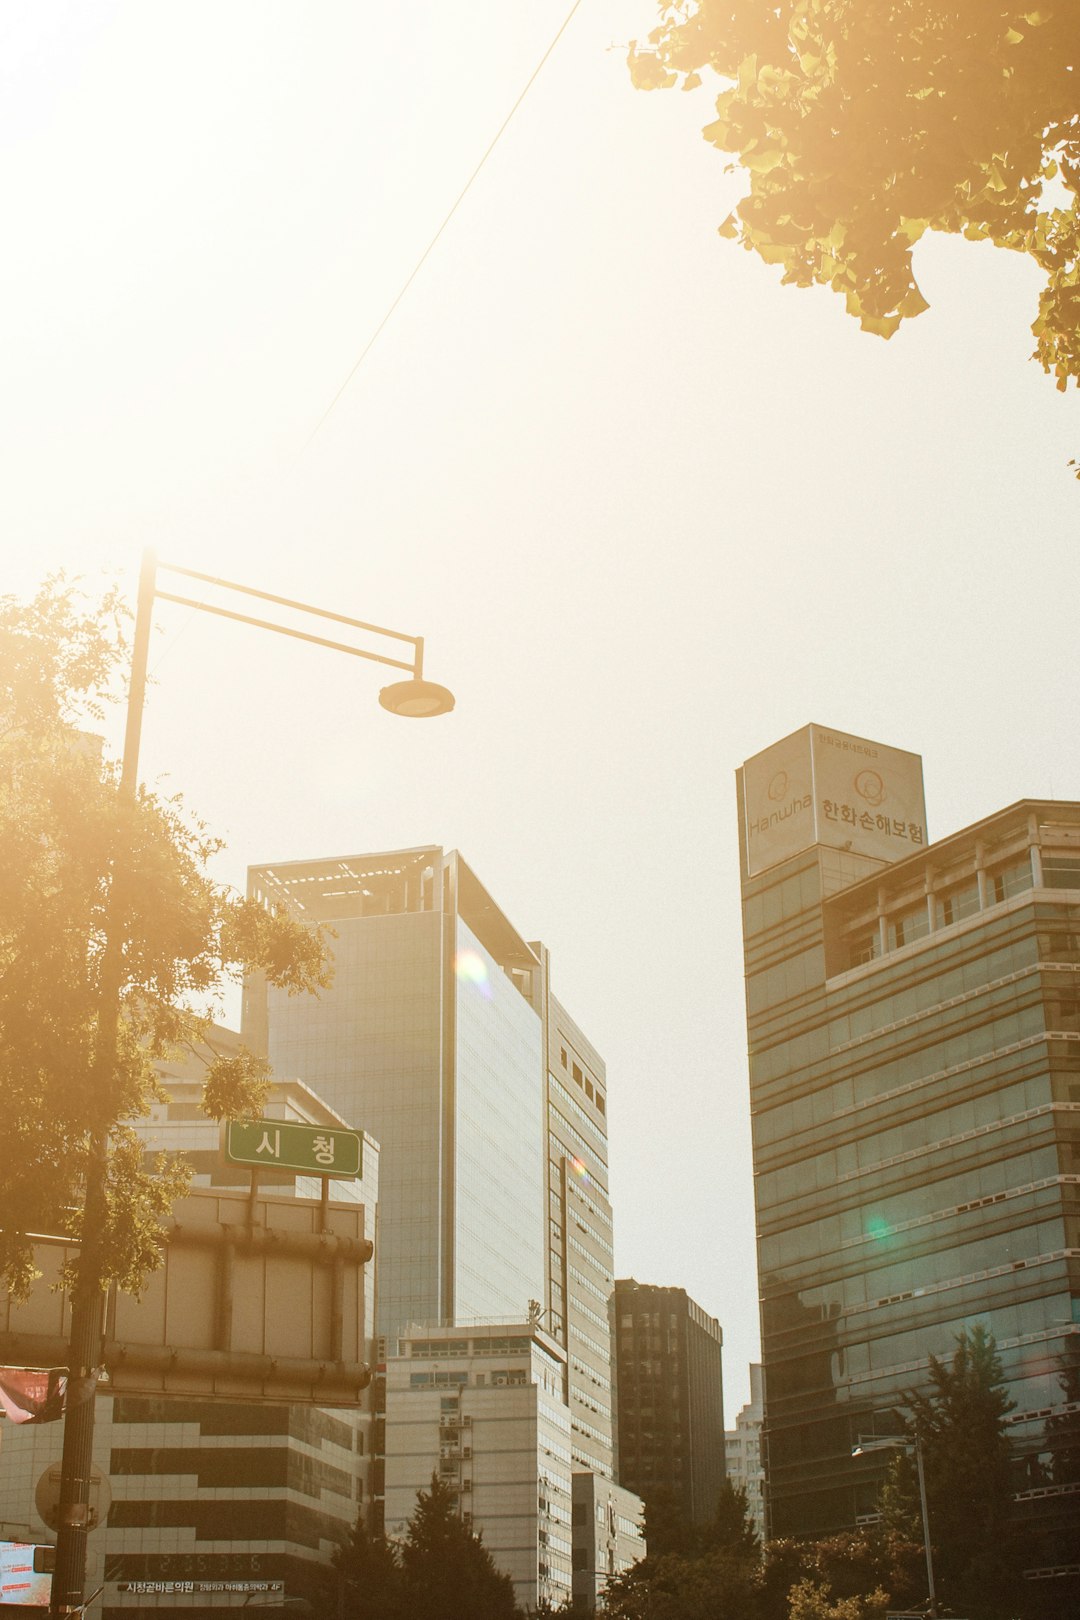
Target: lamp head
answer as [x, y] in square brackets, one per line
[881, 1442]
[416, 699]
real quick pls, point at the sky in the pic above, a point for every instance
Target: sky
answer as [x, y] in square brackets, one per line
[650, 510]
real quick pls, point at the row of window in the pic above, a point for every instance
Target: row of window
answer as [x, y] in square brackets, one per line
[598, 1265]
[602, 1294]
[877, 1086]
[574, 1107]
[926, 1273]
[594, 1094]
[905, 927]
[590, 1344]
[941, 1131]
[498, 1346]
[896, 1358]
[822, 1241]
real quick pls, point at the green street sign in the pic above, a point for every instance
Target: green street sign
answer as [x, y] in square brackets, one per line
[278, 1144]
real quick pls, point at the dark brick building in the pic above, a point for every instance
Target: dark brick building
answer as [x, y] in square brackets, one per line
[670, 1398]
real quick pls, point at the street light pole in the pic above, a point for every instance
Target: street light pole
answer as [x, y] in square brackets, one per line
[414, 698]
[925, 1526]
[899, 1442]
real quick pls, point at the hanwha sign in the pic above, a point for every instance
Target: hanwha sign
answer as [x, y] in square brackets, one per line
[828, 787]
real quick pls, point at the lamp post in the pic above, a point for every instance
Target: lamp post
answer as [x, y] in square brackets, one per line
[899, 1442]
[413, 698]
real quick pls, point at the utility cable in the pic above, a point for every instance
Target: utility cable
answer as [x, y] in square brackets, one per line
[418, 266]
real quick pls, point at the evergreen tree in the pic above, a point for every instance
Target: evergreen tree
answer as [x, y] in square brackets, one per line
[732, 1531]
[700, 1572]
[966, 1459]
[448, 1573]
[370, 1577]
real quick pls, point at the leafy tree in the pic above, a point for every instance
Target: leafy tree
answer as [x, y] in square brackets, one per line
[857, 1563]
[115, 945]
[447, 1571]
[811, 1600]
[863, 124]
[862, 1565]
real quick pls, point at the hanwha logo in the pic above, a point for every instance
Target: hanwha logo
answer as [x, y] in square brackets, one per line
[778, 786]
[869, 786]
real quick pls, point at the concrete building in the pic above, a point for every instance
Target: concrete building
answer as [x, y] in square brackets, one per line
[580, 1254]
[608, 1536]
[914, 1030]
[742, 1448]
[440, 1033]
[671, 1402]
[216, 1504]
[485, 1409]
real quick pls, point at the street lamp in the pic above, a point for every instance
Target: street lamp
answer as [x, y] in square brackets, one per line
[414, 698]
[900, 1442]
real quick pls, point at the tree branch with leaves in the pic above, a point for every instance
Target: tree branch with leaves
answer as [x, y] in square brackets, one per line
[862, 125]
[95, 886]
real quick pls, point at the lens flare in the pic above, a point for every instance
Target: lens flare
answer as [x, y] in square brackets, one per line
[471, 968]
[579, 1169]
[878, 1228]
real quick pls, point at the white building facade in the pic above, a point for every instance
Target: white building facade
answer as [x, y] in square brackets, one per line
[743, 1450]
[608, 1536]
[484, 1408]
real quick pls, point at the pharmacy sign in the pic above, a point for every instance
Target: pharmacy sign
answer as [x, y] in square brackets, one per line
[278, 1144]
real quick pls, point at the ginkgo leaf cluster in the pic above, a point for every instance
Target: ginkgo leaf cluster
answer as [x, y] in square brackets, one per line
[861, 125]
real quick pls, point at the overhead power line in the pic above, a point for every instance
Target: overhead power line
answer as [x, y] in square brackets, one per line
[418, 266]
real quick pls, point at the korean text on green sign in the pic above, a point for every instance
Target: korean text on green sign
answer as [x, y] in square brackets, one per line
[277, 1144]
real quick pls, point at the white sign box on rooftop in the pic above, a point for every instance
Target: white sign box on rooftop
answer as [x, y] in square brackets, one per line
[820, 786]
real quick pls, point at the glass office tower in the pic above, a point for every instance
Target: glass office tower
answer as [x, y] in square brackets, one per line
[914, 1031]
[441, 1037]
[429, 1037]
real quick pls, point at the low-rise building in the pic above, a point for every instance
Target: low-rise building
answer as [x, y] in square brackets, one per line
[609, 1535]
[745, 1462]
[215, 1504]
[484, 1408]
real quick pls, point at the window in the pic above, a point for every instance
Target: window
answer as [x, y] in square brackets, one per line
[908, 926]
[589, 1089]
[863, 948]
[956, 904]
[1008, 880]
[578, 1076]
[562, 1056]
[1060, 871]
[601, 1106]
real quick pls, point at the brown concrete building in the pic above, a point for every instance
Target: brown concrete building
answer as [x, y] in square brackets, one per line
[670, 1398]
